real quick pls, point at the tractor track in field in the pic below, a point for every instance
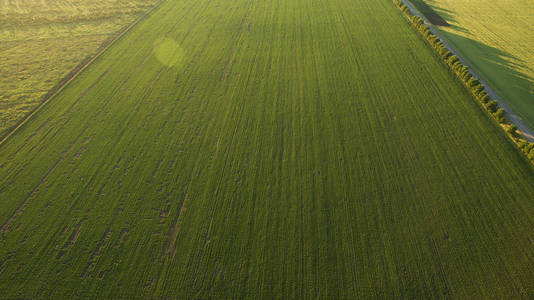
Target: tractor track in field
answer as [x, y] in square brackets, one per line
[22, 205]
[524, 129]
[76, 71]
[175, 228]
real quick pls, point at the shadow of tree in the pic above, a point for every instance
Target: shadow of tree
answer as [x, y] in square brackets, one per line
[429, 13]
[448, 15]
[500, 70]
[497, 68]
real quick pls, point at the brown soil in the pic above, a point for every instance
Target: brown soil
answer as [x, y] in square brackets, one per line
[175, 229]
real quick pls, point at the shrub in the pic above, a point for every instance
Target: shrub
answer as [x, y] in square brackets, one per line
[472, 82]
[499, 115]
[456, 66]
[446, 54]
[512, 129]
[492, 106]
[418, 21]
[529, 151]
[484, 97]
[477, 89]
[464, 73]
[467, 76]
[452, 60]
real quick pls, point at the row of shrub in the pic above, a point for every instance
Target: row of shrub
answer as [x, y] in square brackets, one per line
[466, 77]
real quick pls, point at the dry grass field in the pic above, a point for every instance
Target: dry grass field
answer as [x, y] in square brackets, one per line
[42, 41]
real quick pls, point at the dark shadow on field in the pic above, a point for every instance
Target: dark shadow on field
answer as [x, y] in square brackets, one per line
[448, 15]
[497, 60]
[432, 16]
[499, 70]
[496, 68]
[445, 13]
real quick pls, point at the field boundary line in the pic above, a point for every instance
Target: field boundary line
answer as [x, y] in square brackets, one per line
[64, 82]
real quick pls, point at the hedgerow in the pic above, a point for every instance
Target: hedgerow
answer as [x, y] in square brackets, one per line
[463, 73]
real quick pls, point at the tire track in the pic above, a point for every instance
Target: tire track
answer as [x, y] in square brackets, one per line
[20, 208]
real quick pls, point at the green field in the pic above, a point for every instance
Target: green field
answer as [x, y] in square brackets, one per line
[42, 41]
[496, 39]
[266, 149]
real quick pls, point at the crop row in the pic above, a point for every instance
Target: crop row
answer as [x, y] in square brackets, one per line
[294, 152]
[476, 88]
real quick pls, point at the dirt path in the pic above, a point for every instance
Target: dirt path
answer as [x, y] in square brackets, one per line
[526, 131]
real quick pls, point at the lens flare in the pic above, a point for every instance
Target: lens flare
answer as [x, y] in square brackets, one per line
[168, 52]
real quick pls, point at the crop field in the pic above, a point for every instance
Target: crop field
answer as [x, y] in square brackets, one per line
[42, 41]
[496, 38]
[266, 149]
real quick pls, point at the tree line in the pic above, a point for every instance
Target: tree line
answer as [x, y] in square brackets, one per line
[463, 73]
